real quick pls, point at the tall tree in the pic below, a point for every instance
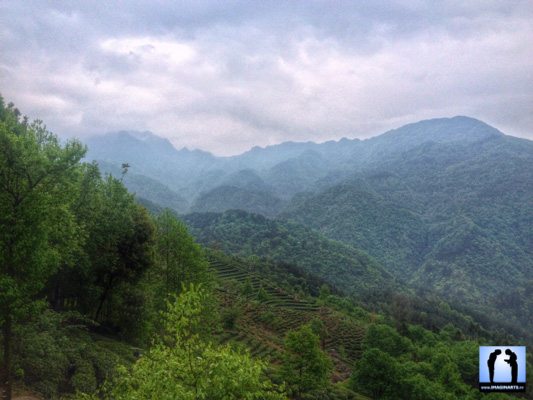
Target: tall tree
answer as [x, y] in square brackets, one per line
[306, 367]
[37, 226]
[120, 245]
[179, 258]
[376, 374]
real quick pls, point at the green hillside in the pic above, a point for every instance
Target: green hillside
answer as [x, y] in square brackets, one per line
[248, 235]
[101, 299]
[453, 217]
[225, 197]
[260, 307]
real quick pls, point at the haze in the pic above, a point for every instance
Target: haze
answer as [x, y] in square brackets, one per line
[225, 76]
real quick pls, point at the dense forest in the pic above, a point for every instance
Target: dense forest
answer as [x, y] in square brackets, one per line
[107, 296]
[442, 204]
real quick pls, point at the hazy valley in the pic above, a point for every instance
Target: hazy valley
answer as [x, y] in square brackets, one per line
[443, 205]
[349, 269]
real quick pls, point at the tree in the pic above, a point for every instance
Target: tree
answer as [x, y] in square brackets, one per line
[119, 246]
[178, 262]
[376, 374]
[37, 226]
[320, 329]
[179, 258]
[66, 288]
[184, 364]
[306, 367]
[387, 339]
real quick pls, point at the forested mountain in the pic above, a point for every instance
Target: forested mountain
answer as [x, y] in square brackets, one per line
[345, 275]
[100, 299]
[443, 203]
[243, 234]
[454, 217]
[353, 272]
[226, 197]
[146, 188]
[154, 157]
[286, 169]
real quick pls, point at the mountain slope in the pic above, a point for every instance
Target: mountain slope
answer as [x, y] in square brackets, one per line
[148, 188]
[453, 216]
[356, 214]
[244, 234]
[443, 203]
[226, 197]
[151, 156]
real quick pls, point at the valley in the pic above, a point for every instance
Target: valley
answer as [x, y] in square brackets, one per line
[375, 268]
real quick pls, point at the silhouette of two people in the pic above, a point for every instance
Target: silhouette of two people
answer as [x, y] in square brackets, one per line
[511, 361]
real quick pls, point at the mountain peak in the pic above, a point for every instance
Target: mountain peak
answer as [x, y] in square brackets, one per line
[458, 128]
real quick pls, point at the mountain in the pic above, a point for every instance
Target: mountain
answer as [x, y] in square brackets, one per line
[281, 170]
[246, 235]
[227, 197]
[153, 157]
[356, 214]
[147, 188]
[442, 203]
[452, 215]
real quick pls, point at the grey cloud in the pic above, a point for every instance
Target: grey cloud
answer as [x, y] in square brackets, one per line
[225, 76]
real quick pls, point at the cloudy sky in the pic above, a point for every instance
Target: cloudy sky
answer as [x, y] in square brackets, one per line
[227, 75]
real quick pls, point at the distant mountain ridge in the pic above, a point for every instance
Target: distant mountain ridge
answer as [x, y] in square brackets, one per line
[286, 168]
[444, 203]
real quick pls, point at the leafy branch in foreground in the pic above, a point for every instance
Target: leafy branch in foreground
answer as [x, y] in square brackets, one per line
[184, 364]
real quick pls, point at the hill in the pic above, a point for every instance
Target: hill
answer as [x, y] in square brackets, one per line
[442, 203]
[250, 235]
[147, 188]
[455, 217]
[227, 197]
[101, 299]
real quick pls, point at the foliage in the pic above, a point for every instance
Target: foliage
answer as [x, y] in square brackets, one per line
[244, 234]
[435, 366]
[85, 272]
[225, 198]
[37, 227]
[387, 339]
[306, 368]
[376, 374]
[54, 355]
[449, 215]
[179, 258]
[187, 366]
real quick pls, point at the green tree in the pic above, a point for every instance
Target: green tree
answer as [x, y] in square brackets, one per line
[376, 375]
[179, 258]
[66, 288]
[37, 226]
[306, 368]
[178, 262]
[119, 245]
[320, 329]
[387, 339]
[184, 364]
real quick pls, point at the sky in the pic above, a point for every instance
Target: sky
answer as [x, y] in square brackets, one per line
[224, 76]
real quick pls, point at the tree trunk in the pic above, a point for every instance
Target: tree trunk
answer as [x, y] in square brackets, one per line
[5, 384]
[103, 298]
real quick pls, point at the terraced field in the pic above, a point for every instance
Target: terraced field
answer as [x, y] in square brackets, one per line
[266, 313]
